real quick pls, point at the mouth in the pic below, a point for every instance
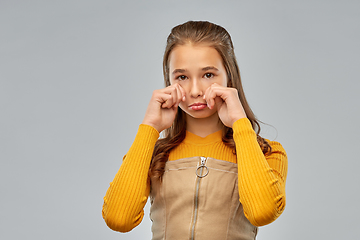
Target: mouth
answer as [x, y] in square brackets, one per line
[198, 106]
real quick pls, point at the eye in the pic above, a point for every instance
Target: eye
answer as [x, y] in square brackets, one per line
[208, 75]
[181, 77]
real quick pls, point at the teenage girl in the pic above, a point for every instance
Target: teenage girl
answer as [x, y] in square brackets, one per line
[211, 176]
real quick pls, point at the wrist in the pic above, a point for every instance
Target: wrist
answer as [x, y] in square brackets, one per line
[237, 118]
[152, 125]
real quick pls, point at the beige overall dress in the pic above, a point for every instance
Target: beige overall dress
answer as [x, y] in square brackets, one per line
[198, 199]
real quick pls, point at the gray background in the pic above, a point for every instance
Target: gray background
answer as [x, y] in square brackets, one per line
[76, 77]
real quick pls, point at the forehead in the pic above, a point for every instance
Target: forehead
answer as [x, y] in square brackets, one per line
[194, 56]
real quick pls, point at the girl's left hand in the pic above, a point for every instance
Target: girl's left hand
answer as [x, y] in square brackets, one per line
[227, 103]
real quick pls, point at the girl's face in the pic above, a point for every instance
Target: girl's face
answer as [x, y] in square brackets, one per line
[195, 68]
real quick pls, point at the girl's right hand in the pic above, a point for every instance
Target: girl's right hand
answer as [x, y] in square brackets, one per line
[162, 107]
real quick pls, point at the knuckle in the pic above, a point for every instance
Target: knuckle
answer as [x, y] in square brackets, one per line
[155, 92]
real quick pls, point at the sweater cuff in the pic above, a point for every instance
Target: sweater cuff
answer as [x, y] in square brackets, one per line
[147, 134]
[243, 127]
[144, 142]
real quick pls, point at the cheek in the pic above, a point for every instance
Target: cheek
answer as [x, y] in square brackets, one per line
[224, 81]
[183, 106]
[185, 87]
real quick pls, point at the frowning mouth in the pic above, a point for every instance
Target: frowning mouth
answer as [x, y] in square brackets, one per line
[197, 106]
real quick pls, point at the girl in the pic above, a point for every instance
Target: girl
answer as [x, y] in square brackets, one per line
[212, 176]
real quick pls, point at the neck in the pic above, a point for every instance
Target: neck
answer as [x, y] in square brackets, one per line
[203, 126]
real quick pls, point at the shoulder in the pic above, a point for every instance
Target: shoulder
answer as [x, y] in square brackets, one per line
[276, 147]
[278, 159]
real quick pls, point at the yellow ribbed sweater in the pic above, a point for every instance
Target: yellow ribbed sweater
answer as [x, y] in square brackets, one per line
[261, 178]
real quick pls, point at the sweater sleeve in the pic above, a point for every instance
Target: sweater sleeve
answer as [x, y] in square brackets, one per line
[261, 178]
[128, 192]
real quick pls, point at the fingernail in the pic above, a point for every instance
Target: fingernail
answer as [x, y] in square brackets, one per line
[183, 98]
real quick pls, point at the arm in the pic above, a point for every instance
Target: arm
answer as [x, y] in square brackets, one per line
[128, 192]
[261, 178]
[127, 195]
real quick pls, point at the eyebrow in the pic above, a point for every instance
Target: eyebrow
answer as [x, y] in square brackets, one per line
[209, 68]
[178, 70]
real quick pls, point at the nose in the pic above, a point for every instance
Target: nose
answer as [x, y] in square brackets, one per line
[196, 89]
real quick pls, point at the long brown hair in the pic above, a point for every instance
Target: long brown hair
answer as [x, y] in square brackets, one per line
[201, 32]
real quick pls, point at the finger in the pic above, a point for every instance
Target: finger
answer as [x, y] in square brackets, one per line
[175, 95]
[205, 97]
[209, 97]
[218, 101]
[183, 93]
[165, 100]
[212, 99]
[169, 103]
[178, 94]
[213, 92]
